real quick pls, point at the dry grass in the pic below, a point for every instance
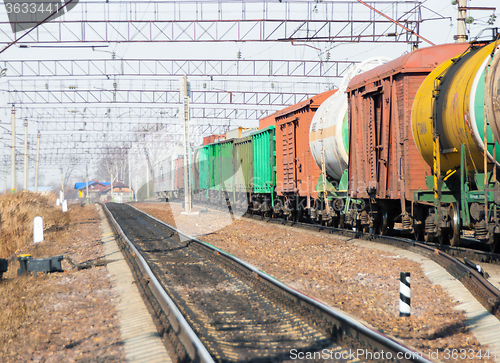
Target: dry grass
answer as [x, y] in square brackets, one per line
[17, 212]
[27, 302]
[19, 307]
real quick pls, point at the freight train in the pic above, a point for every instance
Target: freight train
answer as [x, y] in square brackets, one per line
[407, 144]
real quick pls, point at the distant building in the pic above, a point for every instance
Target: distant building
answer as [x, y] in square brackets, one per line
[95, 190]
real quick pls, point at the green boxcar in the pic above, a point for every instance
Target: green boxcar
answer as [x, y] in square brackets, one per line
[214, 166]
[227, 166]
[243, 164]
[202, 167]
[264, 160]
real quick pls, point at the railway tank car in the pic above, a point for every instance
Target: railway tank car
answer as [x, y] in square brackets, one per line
[454, 133]
[329, 144]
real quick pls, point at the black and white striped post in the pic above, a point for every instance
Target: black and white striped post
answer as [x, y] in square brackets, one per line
[404, 294]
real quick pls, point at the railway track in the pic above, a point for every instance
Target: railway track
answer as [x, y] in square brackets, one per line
[237, 313]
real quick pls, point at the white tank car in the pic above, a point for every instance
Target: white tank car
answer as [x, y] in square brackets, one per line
[329, 128]
[164, 171]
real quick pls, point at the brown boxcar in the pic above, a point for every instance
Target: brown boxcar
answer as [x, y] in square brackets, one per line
[210, 139]
[267, 121]
[384, 162]
[296, 171]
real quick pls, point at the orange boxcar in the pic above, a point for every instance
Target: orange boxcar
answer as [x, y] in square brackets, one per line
[296, 170]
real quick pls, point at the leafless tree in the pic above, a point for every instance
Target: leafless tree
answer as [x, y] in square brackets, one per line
[114, 166]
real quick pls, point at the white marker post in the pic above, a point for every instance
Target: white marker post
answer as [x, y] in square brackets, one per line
[58, 202]
[65, 206]
[404, 294]
[38, 230]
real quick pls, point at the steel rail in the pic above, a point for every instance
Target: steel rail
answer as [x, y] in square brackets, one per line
[342, 322]
[186, 335]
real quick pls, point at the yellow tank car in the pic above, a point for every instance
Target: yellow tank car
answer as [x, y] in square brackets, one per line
[452, 99]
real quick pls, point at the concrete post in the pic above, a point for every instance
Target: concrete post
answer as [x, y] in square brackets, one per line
[25, 175]
[147, 177]
[185, 116]
[462, 14]
[87, 187]
[37, 161]
[13, 180]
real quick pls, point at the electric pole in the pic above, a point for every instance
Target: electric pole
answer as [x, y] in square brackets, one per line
[37, 161]
[13, 180]
[87, 179]
[26, 180]
[185, 94]
[462, 14]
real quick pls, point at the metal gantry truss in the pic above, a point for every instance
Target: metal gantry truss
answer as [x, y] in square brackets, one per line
[84, 148]
[171, 126]
[96, 115]
[227, 21]
[176, 67]
[151, 96]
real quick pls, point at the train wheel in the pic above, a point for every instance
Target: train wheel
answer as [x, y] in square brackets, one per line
[299, 215]
[384, 224]
[495, 246]
[454, 213]
[341, 222]
[357, 226]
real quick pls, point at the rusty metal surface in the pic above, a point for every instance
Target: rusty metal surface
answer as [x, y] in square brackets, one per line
[421, 60]
[384, 160]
